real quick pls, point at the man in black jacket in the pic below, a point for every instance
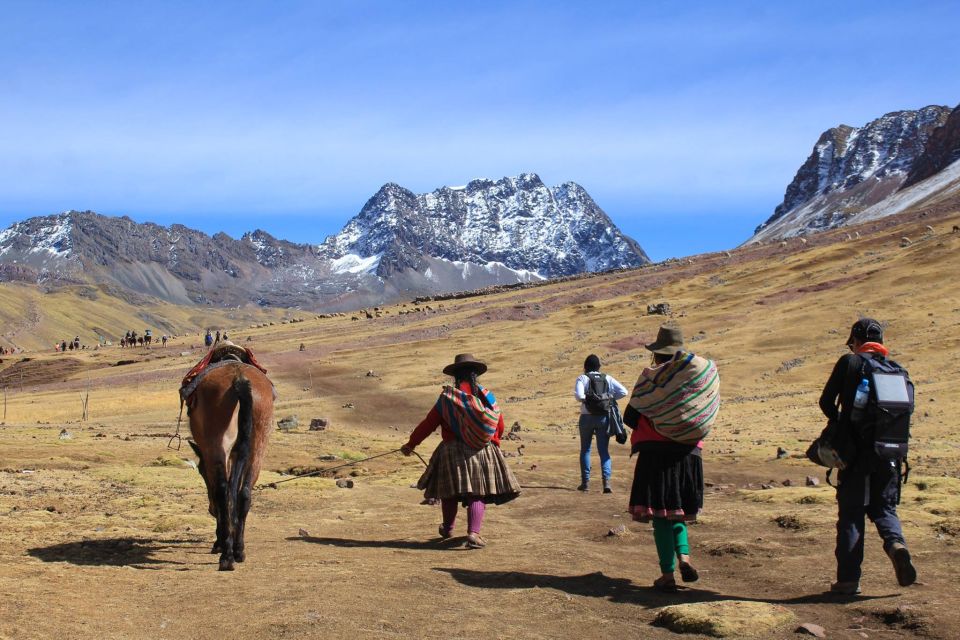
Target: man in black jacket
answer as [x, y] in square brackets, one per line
[867, 485]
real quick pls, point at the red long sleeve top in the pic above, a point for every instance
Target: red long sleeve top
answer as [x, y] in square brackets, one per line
[429, 424]
[644, 431]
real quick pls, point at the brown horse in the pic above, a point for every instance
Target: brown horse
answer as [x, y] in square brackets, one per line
[231, 415]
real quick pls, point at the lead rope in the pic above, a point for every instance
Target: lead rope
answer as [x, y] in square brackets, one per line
[177, 434]
[273, 485]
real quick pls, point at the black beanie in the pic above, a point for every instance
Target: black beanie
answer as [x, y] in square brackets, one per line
[592, 363]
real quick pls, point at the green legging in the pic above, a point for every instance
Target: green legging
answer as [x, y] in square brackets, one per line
[671, 540]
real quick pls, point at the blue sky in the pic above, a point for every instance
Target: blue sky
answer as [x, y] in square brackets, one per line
[684, 121]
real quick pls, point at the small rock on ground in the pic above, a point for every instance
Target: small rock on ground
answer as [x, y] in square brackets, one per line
[345, 483]
[809, 628]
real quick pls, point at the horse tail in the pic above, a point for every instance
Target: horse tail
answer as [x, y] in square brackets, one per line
[241, 448]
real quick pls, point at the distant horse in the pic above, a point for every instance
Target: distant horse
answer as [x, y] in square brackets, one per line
[231, 415]
[140, 340]
[123, 342]
[147, 339]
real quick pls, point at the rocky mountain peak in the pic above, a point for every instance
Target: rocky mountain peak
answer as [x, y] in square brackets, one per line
[517, 222]
[852, 168]
[487, 232]
[942, 150]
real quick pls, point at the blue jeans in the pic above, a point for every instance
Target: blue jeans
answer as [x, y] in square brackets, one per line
[874, 495]
[591, 425]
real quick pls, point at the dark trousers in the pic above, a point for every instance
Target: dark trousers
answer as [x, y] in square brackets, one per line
[873, 494]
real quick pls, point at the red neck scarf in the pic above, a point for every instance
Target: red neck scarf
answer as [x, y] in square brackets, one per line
[873, 347]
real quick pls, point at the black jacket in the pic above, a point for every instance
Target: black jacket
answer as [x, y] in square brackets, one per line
[841, 387]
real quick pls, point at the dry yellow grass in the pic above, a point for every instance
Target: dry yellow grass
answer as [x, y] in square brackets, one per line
[774, 319]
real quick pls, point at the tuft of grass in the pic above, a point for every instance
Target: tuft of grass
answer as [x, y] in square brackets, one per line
[351, 456]
[725, 619]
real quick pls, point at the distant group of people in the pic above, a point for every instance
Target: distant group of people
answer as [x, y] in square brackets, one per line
[133, 339]
[69, 345]
[210, 339]
[129, 339]
[670, 411]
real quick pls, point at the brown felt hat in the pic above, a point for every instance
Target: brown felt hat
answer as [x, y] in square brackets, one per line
[464, 361]
[669, 341]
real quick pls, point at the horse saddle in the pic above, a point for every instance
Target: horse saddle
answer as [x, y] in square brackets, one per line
[229, 351]
[222, 354]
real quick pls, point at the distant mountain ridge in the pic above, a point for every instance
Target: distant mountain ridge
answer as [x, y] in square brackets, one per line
[853, 171]
[518, 222]
[400, 244]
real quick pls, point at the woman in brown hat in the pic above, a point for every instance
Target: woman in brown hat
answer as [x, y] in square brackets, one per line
[467, 467]
[668, 481]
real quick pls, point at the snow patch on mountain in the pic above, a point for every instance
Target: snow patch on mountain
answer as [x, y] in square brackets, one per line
[943, 184]
[352, 263]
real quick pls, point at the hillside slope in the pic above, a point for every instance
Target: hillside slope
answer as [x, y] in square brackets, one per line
[115, 522]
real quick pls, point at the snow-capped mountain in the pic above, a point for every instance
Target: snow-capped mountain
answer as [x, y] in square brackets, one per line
[517, 224]
[852, 169]
[400, 244]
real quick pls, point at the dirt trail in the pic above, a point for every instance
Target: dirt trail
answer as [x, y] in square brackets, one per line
[371, 564]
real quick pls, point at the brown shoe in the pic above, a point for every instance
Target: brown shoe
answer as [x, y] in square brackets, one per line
[902, 564]
[666, 584]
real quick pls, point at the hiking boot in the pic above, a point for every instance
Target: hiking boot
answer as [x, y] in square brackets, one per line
[584, 486]
[606, 486]
[445, 532]
[850, 588]
[902, 565]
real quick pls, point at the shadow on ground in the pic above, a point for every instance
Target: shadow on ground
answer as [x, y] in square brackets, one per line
[116, 552]
[436, 544]
[622, 590]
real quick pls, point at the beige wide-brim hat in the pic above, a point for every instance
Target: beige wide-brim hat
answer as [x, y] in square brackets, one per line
[669, 341]
[465, 361]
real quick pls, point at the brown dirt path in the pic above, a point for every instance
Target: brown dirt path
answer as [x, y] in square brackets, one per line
[92, 550]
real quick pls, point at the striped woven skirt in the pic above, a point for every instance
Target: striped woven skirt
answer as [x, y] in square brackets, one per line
[667, 483]
[457, 471]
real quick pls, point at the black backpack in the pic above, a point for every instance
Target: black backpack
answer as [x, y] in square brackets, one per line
[885, 421]
[598, 398]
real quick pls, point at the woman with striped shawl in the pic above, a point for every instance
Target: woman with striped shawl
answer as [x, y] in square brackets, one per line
[671, 409]
[467, 467]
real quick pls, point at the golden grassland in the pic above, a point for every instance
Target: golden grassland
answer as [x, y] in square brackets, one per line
[775, 318]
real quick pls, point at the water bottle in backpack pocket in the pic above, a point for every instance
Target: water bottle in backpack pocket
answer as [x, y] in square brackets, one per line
[860, 399]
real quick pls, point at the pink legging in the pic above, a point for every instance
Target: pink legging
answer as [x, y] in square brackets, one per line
[475, 510]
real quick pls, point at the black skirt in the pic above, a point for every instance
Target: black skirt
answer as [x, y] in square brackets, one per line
[667, 482]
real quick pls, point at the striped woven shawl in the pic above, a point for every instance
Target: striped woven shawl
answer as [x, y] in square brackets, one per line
[472, 421]
[681, 398]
